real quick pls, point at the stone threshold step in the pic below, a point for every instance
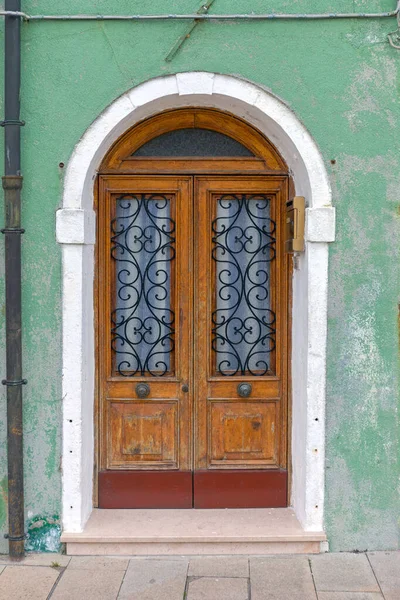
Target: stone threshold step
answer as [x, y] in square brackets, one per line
[196, 531]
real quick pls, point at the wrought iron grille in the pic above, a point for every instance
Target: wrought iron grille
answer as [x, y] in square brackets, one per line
[143, 248]
[243, 332]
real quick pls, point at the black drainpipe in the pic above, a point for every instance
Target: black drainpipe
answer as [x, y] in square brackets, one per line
[12, 184]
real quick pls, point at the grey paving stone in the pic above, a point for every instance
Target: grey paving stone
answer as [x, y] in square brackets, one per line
[386, 566]
[155, 580]
[2, 567]
[84, 584]
[219, 566]
[344, 572]
[21, 582]
[44, 559]
[212, 588]
[349, 596]
[281, 579]
[103, 563]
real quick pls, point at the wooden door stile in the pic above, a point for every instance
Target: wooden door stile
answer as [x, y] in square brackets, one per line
[146, 441]
[240, 444]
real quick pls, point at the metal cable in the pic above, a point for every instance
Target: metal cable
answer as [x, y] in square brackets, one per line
[204, 17]
[393, 37]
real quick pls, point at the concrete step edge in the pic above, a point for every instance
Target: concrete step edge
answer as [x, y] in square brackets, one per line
[104, 539]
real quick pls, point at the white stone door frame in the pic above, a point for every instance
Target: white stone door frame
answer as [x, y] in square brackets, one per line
[76, 234]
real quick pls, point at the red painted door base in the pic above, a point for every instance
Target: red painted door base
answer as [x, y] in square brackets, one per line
[240, 489]
[145, 489]
[203, 489]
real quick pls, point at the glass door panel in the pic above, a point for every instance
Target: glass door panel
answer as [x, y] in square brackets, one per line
[143, 320]
[243, 319]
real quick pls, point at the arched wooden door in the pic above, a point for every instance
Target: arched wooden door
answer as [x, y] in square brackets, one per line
[192, 320]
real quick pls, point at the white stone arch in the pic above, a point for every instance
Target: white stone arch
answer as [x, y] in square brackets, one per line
[76, 234]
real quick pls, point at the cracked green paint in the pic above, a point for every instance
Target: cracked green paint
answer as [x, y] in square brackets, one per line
[43, 534]
[341, 80]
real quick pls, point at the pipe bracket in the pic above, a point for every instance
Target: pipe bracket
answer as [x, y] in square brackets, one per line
[13, 383]
[15, 538]
[12, 182]
[12, 230]
[11, 122]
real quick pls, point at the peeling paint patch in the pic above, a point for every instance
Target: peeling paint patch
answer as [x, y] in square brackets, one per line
[366, 89]
[360, 37]
[3, 501]
[52, 456]
[44, 534]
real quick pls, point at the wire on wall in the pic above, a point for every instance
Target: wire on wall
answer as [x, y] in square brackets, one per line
[206, 17]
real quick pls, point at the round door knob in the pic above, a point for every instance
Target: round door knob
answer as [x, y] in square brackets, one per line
[185, 387]
[142, 390]
[244, 390]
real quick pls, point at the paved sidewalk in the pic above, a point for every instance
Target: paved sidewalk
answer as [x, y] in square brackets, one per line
[370, 576]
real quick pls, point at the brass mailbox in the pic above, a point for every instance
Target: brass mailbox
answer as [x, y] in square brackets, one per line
[295, 216]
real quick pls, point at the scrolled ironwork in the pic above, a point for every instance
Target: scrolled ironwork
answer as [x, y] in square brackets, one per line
[143, 247]
[243, 248]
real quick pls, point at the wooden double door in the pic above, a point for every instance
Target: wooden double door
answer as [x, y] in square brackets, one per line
[192, 341]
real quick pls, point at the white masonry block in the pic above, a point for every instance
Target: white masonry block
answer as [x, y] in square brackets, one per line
[320, 224]
[75, 226]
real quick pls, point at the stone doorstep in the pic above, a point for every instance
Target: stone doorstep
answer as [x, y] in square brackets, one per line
[201, 549]
[177, 532]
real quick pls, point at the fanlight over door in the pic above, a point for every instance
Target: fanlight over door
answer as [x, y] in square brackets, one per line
[192, 334]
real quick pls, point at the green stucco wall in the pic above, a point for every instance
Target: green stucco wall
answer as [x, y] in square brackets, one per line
[341, 80]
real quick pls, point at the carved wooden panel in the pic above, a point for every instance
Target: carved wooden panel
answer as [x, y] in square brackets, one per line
[143, 434]
[242, 433]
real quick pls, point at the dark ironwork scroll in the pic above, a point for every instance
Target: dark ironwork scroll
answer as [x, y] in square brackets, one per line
[243, 249]
[143, 248]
